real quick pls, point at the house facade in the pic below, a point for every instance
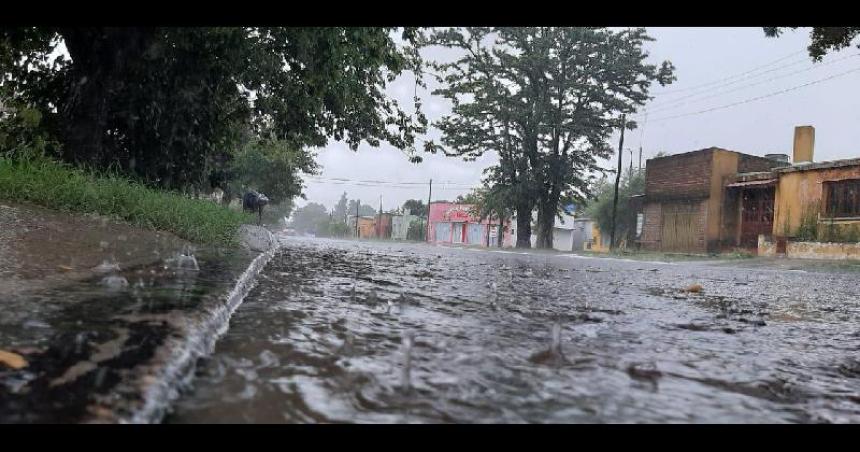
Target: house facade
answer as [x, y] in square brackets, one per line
[400, 225]
[366, 226]
[685, 201]
[714, 199]
[565, 231]
[454, 223]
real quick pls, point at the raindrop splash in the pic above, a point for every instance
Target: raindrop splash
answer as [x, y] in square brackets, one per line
[406, 375]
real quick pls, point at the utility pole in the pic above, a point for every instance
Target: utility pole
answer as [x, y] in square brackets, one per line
[379, 221]
[617, 181]
[631, 161]
[640, 158]
[429, 195]
[357, 204]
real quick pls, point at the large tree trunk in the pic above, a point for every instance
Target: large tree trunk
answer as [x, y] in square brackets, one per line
[546, 222]
[524, 227]
[547, 208]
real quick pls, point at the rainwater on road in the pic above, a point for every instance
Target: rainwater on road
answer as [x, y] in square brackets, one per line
[346, 331]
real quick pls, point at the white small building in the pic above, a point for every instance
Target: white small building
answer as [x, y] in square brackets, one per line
[563, 236]
[400, 225]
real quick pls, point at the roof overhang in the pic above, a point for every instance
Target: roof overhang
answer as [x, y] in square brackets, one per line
[754, 183]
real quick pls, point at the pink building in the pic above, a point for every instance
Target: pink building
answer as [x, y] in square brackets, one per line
[453, 223]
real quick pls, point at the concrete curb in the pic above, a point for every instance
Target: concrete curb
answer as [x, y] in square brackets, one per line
[181, 355]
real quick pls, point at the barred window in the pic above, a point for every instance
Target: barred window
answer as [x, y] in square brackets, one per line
[843, 198]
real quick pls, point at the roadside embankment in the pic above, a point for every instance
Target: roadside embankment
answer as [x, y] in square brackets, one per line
[108, 318]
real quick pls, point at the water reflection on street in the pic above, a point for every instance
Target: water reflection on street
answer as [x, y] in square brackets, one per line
[342, 331]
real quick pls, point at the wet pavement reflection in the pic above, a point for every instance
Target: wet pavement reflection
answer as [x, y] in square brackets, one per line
[341, 331]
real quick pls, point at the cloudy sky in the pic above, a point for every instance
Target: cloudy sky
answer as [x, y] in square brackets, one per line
[736, 89]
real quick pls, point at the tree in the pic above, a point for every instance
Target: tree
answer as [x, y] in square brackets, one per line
[162, 104]
[824, 39]
[599, 209]
[309, 217]
[416, 207]
[275, 214]
[490, 202]
[471, 197]
[364, 210]
[270, 167]
[332, 228]
[546, 99]
[341, 209]
[417, 231]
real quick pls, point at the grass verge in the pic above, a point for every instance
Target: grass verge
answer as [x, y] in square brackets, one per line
[55, 185]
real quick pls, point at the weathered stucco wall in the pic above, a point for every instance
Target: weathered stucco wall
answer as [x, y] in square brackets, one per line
[725, 164]
[801, 192]
[812, 250]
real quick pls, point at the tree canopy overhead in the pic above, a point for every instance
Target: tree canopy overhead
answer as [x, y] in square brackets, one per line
[823, 39]
[163, 104]
[546, 100]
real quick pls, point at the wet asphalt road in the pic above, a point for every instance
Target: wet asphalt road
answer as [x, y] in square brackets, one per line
[321, 339]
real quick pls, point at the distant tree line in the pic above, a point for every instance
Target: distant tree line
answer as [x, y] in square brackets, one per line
[314, 218]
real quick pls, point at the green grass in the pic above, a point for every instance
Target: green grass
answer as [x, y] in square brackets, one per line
[55, 185]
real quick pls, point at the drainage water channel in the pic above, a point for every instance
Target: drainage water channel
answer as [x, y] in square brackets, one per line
[340, 331]
[88, 342]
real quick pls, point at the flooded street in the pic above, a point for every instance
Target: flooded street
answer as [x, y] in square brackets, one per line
[345, 331]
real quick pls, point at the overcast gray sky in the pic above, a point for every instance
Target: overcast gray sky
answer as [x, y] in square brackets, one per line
[715, 67]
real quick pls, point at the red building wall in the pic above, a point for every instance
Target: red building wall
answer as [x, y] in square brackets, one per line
[451, 213]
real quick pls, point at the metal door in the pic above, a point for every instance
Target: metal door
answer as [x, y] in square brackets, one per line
[756, 215]
[457, 229]
[474, 234]
[443, 232]
[680, 227]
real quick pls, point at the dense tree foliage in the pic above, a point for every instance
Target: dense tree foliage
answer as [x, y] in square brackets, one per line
[307, 218]
[546, 100]
[599, 209]
[341, 209]
[490, 202]
[364, 210]
[171, 106]
[824, 39]
[416, 207]
[270, 167]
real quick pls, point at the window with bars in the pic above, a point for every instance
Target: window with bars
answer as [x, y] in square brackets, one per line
[843, 198]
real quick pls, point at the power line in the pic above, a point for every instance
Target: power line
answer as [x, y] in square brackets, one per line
[674, 104]
[733, 76]
[382, 182]
[401, 185]
[746, 101]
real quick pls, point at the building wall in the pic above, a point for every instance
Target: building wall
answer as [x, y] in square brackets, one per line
[400, 226]
[679, 176]
[812, 250]
[581, 234]
[799, 193]
[562, 239]
[442, 213]
[752, 164]
[725, 165]
[652, 229]
[697, 177]
[599, 243]
[366, 228]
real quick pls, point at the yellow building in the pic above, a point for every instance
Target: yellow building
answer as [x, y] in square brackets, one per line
[597, 243]
[366, 227]
[817, 201]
